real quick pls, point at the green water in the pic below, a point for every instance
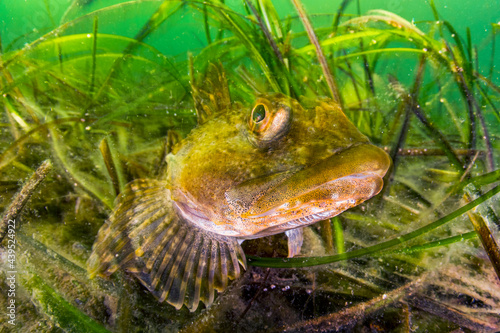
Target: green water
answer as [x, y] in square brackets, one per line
[102, 89]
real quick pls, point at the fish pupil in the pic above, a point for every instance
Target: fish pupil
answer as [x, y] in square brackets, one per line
[259, 113]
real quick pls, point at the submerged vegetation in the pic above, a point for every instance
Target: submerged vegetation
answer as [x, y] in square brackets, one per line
[106, 108]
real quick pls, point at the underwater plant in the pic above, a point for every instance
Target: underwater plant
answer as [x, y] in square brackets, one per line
[94, 89]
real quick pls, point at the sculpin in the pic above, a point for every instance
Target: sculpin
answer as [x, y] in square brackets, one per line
[242, 173]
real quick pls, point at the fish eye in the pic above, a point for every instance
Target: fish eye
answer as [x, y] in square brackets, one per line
[270, 120]
[259, 113]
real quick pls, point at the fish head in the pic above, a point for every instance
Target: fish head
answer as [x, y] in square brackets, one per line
[257, 170]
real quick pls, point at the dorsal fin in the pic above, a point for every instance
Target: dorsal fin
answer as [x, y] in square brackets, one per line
[177, 261]
[210, 92]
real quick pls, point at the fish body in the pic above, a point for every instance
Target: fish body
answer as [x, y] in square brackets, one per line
[242, 173]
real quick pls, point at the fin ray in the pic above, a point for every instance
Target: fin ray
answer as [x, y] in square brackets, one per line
[178, 262]
[295, 240]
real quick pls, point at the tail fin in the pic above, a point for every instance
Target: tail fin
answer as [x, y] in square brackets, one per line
[177, 261]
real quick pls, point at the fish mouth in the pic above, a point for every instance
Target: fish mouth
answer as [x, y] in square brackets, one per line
[287, 200]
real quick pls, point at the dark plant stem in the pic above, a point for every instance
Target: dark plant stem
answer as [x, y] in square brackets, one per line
[257, 294]
[266, 32]
[466, 93]
[23, 196]
[207, 28]
[340, 11]
[439, 139]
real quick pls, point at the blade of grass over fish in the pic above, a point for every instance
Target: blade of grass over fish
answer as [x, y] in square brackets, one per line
[23, 196]
[481, 218]
[319, 53]
[371, 250]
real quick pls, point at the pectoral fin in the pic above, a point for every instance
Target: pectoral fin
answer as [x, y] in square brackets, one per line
[295, 239]
[178, 262]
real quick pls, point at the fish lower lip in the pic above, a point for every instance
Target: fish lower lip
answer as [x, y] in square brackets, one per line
[353, 174]
[331, 199]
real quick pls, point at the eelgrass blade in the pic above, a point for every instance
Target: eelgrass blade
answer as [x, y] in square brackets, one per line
[371, 250]
[240, 31]
[339, 234]
[94, 51]
[472, 104]
[60, 310]
[46, 292]
[166, 10]
[206, 26]
[435, 244]
[266, 31]
[93, 185]
[482, 218]
[319, 52]
[8, 155]
[282, 66]
[112, 165]
[338, 15]
[439, 138]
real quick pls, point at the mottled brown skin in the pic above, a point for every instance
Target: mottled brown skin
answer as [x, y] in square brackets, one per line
[228, 150]
[242, 173]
